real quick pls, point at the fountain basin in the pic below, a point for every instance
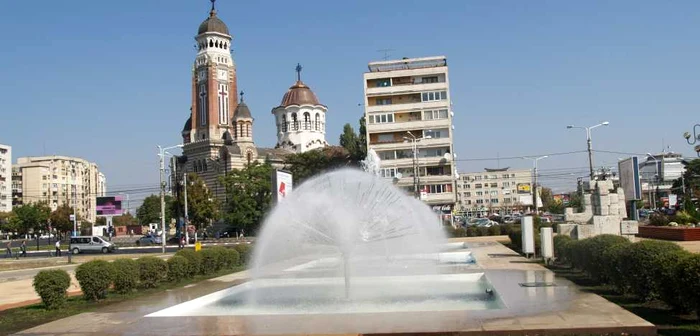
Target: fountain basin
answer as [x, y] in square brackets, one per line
[447, 292]
[462, 257]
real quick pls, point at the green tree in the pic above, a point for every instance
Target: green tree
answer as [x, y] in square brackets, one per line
[314, 162]
[31, 217]
[547, 197]
[8, 221]
[124, 220]
[60, 218]
[354, 144]
[202, 206]
[362, 139]
[149, 211]
[248, 193]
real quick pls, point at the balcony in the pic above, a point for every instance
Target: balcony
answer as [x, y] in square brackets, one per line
[440, 198]
[401, 144]
[404, 88]
[406, 105]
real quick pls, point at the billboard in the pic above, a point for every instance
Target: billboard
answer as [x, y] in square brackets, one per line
[629, 178]
[282, 183]
[524, 188]
[109, 206]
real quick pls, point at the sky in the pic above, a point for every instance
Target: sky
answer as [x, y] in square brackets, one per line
[109, 80]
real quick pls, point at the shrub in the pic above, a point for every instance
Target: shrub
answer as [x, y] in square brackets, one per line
[178, 268]
[152, 270]
[494, 230]
[94, 278]
[126, 275]
[482, 231]
[577, 252]
[643, 266]
[471, 231]
[51, 286]
[592, 257]
[245, 251]
[516, 240]
[231, 258]
[687, 274]
[505, 229]
[659, 219]
[683, 218]
[670, 289]
[210, 261]
[615, 255]
[560, 242]
[194, 261]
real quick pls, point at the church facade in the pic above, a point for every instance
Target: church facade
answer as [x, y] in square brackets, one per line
[218, 134]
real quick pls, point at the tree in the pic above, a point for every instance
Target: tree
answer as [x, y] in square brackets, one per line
[149, 211]
[202, 206]
[31, 217]
[124, 220]
[101, 221]
[314, 162]
[546, 197]
[355, 144]
[248, 193]
[60, 218]
[8, 222]
[691, 179]
[362, 139]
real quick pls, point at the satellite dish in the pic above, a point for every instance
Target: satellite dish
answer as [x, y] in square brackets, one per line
[447, 156]
[399, 175]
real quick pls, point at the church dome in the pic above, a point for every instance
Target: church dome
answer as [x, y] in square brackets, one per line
[242, 112]
[213, 25]
[188, 125]
[299, 94]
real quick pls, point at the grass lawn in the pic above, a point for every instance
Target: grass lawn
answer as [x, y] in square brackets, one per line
[656, 312]
[18, 319]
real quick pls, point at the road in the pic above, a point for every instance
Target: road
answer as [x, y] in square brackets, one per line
[121, 250]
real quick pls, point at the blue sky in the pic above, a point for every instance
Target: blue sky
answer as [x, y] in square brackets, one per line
[108, 80]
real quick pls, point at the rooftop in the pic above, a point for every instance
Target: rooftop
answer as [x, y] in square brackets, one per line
[408, 63]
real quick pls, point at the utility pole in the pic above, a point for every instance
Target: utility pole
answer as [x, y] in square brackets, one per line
[589, 144]
[161, 154]
[187, 221]
[534, 180]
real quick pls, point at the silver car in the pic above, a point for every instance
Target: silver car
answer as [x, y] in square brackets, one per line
[82, 244]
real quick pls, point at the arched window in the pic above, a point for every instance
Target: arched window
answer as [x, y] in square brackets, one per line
[317, 123]
[204, 164]
[284, 123]
[240, 130]
[307, 121]
[250, 127]
[249, 157]
[211, 43]
[295, 122]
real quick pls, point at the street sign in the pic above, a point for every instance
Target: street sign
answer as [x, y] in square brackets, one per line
[72, 217]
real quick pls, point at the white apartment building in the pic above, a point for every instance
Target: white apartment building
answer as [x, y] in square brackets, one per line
[5, 178]
[59, 180]
[492, 191]
[658, 173]
[408, 100]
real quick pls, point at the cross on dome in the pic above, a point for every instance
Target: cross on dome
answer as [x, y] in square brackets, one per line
[242, 93]
[298, 69]
[212, 5]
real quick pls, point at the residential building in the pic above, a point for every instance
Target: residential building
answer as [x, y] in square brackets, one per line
[407, 108]
[59, 180]
[218, 133]
[492, 191]
[657, 175]
[5, 178]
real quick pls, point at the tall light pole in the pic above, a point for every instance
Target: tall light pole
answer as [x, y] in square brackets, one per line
[416, 174]
[161, 155]
[588, 140]
[695, 136]
[656, 177]
[534, 179]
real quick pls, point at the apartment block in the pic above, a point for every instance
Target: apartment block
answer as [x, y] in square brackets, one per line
[501, 191]
[5, 178]
[657, 174]
[58, 180]
[407, 108]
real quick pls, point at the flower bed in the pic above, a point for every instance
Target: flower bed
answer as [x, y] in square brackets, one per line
[670, 233]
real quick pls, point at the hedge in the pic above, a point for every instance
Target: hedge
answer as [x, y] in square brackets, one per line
[687, 273]
[516, 239]
[152, 271]
[210, 261]
[94, 278]
[194, 260]
[591, 257]
[471, 231]
[126, 275]
[560, 243]
[643, 267]
[244, 252]
[666, 282]
[231, 258]
[178, 268]
[51, 286]
[614, 258]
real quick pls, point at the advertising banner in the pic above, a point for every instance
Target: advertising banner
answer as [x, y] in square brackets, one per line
[524, 188]
[282, 182]
[629, 178]
[109, 206]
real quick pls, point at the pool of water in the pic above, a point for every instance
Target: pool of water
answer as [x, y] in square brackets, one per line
[461, 257]
[447, 292]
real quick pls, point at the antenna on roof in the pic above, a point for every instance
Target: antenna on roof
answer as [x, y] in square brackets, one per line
[386, 53]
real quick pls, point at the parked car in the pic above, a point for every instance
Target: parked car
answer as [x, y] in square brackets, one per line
[176, 240]
[149, 240]
[82, 244]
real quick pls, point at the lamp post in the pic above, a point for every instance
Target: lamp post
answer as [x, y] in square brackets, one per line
[161, 155]
[695, 136]
[656, 177]
[416, 175]
[534, 179]
[588, 141]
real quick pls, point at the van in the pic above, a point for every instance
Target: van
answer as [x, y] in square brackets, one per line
[82, 244]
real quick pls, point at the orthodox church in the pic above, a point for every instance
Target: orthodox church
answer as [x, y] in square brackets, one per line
[218, 134]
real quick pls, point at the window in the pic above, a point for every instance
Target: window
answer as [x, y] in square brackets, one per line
[285, 126]
[494, 185]
[494, 200]
[432, 171]
[477, 178]
[433, 152]
[469, 202]
[437, 133]
[96, 240]
[468, 194]
[434, 96]
[431, 79]
[478, 186]
[467, 186]
[479, 193]
[295, 122]
[307, 121]
[505, 176]
[223, 104]
[383, 101]
[381, 118]
[479, 201]
[385, 137]
[494, 192]
[506, 184]
[438, 188]
[383, 82]
[317, 124]
[202, 106]
[386, 155]
[388, 172]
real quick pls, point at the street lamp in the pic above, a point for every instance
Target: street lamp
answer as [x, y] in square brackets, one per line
[416, 177]
[656, 177]
[695, 136]
[534, 178]
[588, 139]
[161, 155]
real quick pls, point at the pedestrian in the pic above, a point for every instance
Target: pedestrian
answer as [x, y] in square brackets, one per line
[182, 242]
[23, 248]
[58, 248]
[8, 251]
[131, 233]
